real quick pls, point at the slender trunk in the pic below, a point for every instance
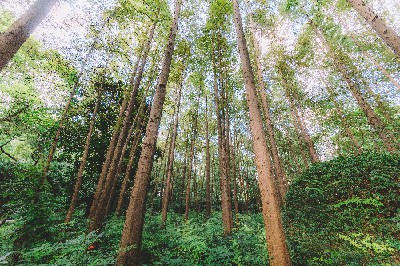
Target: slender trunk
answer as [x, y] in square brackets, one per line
[234, 180]
[171, 155]
[111, 178]
[16, 35]
[129, 166]
[55, 142]
[183, 178]
[247, 189]
[388, 35]
[165, 165]
[78, 183]
[222, 154]
[377, 64]
[299, 125]
[275, 235]
[280, 172]
[132, 233]
[111, 145]
[137, 128]
[208, 192]
[106, 163]
[384, 72]
[355, 145]
[195, 184]
[189, 175]
[373, 119]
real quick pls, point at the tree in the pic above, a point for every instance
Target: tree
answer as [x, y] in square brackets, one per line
[171, 154]
[276, 240]
[16, 35]
[280, 172]
[85, 154]
[388, 35]
[208, 187]
[132, 232]
[348, 75]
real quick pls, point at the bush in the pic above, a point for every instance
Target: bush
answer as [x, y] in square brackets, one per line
[346, 212]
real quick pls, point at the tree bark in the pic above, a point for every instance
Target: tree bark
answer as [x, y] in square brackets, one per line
[106, 163]
[222, 154]
[234, 180]
[355, 145]
[171, 157]
[137, 128]
[388, 35]
[275, 235]
[384, 72]
[373, 119]
[16, 35]
[78, 183]
[183, 177]
[208, 191]
[111, 146]
[106, 194]
[129, 166]
[132, 233]
[280, 172]
[189, 174]
[55, 142]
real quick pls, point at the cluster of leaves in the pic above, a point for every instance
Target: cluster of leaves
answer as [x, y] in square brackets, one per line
[346, 211]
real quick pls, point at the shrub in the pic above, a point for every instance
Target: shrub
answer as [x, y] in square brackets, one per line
[345, 212]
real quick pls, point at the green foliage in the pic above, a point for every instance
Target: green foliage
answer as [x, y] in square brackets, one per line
[192, 243]
[345, 211]
[202, 243]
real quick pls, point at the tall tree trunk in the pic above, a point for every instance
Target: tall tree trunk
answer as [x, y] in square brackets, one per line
[222, 154]
[55, 142]
[234, 180]
[377, 64]
[208, 192]
[16, 35]
[100, 211]
[303, 131]
[183, 177]
[171, 157]
[388, 35]
[137, 128]
[132, 233]
[113, 142]
[280, 172]
[124, 185]
[373, 119]
[78, 183]
[247, 189]
[165, 165]
[106, 163]
[191, 159]
[355, 145]
[195, 185]
[384, 72]
[276, 239]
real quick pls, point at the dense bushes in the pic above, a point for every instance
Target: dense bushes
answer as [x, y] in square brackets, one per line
[346, 212]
